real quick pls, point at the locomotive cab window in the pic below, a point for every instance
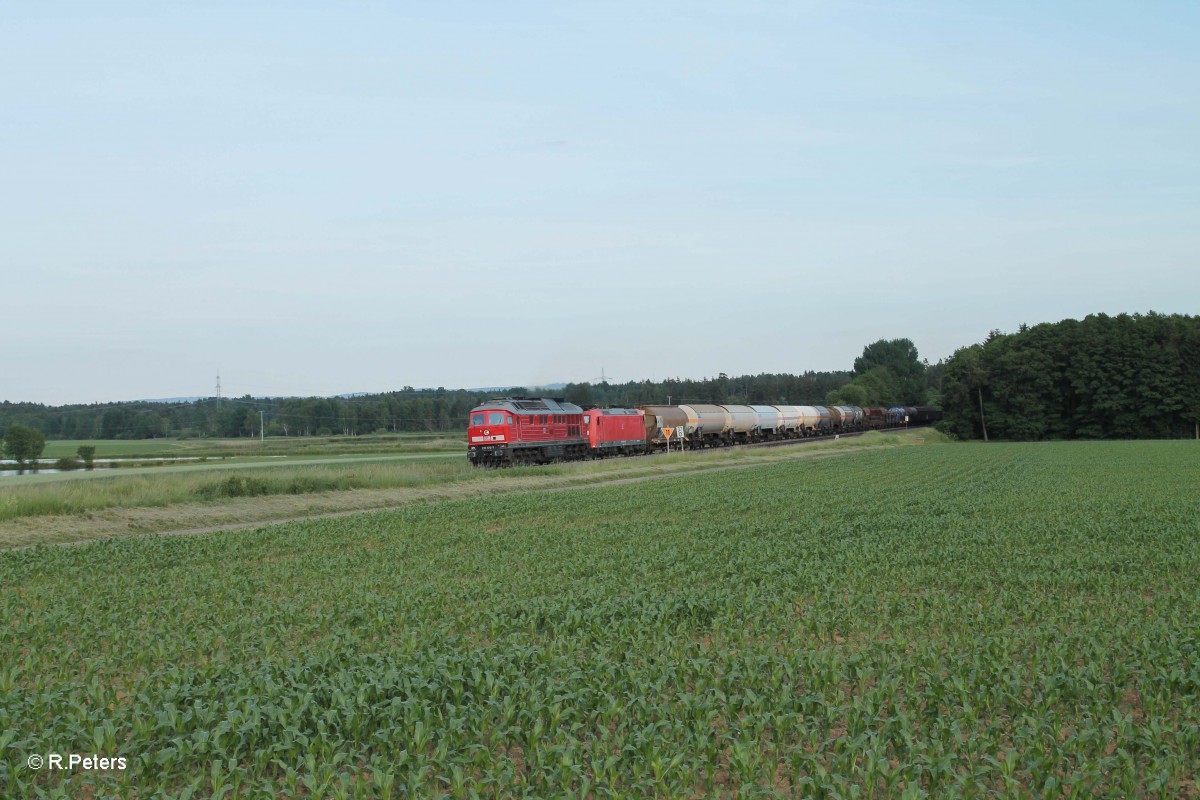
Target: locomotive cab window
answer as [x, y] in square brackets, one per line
[496, 418]
[477, 419]
[587, 420]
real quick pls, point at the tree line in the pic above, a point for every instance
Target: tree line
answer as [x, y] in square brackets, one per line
[405, 410]
[889, 368]
[888, 373]
[804, 389]
[1126, 376]
[1103, 377]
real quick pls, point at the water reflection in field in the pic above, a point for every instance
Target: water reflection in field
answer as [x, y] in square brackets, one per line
[44, 464]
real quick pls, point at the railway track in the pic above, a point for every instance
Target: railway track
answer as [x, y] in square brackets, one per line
[773, 443]
[831, 437]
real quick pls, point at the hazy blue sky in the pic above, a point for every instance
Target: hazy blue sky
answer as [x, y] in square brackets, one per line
[329, 197]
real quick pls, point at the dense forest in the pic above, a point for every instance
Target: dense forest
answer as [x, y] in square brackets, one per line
[1122, 377]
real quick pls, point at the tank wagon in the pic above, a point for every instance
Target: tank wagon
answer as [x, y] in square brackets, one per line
[769, 424]
[856, 415]
[790, 421]
[816, 420]
[707, 425]
[743, 423]
[662, 422]
[525, 430]
[924, 415]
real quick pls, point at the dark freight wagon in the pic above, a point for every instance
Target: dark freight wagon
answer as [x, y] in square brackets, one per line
[875, 417]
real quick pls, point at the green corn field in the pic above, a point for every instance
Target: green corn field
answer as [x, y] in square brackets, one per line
[942, 621]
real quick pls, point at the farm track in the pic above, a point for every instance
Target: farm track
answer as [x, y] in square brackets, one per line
[258, 512]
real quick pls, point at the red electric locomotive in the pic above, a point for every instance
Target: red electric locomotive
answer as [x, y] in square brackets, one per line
[525, 430]
[615, 431]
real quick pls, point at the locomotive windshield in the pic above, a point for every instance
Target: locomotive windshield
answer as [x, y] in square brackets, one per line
[477, 419]
[496, 418]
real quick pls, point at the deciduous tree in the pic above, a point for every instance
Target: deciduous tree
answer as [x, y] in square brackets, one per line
[23, 444]
[900, 357]
[87, 454]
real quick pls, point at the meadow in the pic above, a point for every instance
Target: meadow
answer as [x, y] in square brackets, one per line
[81, 492]
[939, 621]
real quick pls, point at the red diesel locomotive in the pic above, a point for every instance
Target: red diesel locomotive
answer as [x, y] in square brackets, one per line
[523, 430]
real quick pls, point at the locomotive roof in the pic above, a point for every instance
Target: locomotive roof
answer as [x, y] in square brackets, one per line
[615, 412]
[552, 405]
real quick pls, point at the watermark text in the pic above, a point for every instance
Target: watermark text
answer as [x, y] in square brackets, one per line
[73, 761]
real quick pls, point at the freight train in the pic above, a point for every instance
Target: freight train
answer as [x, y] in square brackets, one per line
[540, 430]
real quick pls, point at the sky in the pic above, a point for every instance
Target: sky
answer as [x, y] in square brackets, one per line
[319, 198]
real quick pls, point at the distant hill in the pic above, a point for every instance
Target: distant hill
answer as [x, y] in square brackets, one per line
[550, 387]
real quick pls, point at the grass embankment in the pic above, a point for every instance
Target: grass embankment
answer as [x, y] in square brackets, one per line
[960, 621]
[81, 506]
